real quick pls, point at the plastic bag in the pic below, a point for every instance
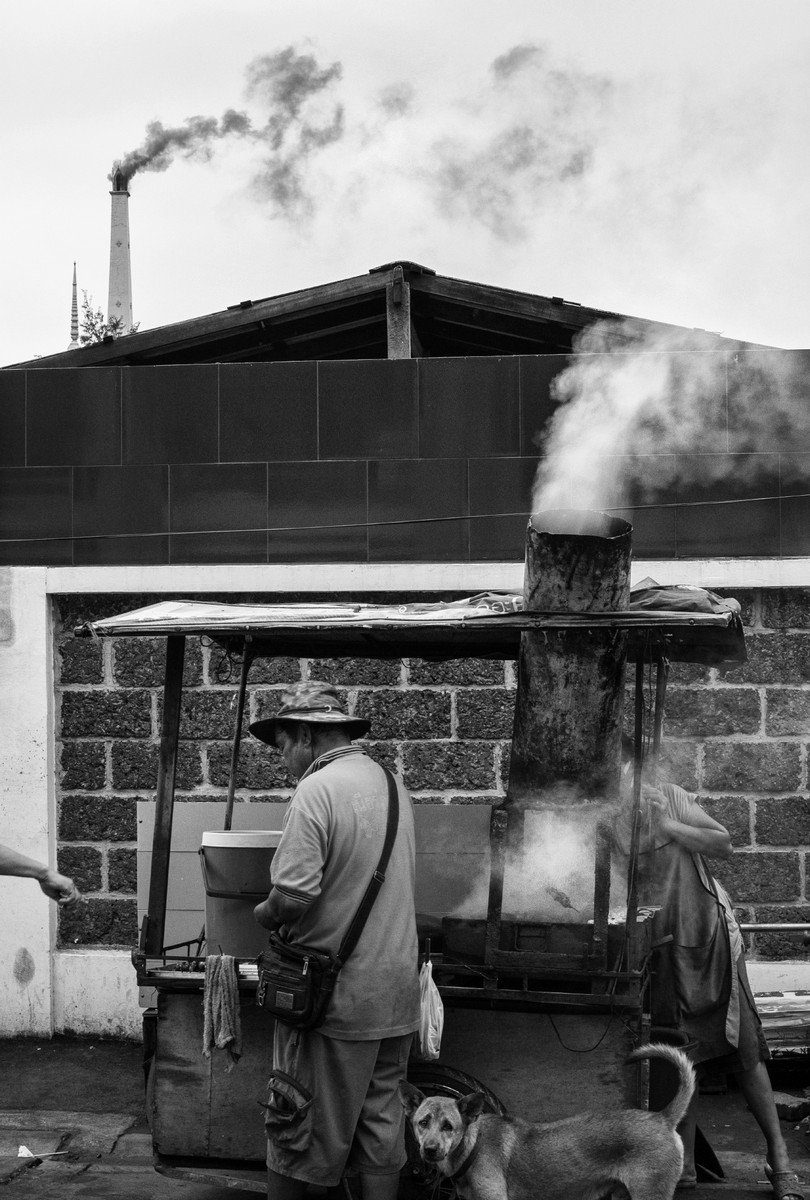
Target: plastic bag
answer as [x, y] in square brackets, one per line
[431, 1016]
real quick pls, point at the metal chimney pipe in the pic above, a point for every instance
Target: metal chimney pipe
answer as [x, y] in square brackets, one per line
[119, 298]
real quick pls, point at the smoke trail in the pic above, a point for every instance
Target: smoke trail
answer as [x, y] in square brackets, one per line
[285, 85]
[288, 83]
[672, 393]
[285, 82]
[397, 99]
[534, 130]
[193, 139]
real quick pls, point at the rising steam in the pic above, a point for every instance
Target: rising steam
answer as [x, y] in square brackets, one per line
[551, 879]
[631, 392]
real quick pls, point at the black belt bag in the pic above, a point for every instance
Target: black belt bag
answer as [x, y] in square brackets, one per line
[295, 981]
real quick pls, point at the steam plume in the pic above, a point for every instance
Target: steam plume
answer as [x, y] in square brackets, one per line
[674, 394]
[552, 877]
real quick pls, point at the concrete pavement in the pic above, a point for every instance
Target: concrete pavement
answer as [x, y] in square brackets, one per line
[81, 1103]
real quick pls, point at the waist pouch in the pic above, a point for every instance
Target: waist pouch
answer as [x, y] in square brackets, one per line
[295, 983]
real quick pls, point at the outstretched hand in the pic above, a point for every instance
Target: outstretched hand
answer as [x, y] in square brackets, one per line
[60, 888]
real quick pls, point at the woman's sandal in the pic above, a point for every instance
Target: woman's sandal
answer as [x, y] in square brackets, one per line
[785, 1184]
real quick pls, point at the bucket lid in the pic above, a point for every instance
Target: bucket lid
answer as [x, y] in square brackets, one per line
[242, 839]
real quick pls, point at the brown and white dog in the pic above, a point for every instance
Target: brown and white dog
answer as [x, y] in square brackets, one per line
[587, 1157]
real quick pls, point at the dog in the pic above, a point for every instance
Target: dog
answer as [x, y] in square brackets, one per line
[629, 1153]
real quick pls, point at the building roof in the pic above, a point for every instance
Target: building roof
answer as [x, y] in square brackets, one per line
[397, 310]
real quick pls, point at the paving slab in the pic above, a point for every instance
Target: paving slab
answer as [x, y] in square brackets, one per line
[111, 1183]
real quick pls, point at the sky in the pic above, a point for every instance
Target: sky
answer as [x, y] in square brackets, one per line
[648, 157]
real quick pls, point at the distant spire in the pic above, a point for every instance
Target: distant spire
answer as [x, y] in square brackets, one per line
[74, 317]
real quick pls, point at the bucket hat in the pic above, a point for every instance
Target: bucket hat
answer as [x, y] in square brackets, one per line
[317, 704]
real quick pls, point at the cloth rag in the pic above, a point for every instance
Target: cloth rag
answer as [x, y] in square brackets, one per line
[222, 1025]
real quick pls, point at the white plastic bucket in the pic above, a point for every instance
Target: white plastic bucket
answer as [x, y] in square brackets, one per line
[236, 872]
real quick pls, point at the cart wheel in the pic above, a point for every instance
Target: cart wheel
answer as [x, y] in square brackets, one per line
[418, 1180]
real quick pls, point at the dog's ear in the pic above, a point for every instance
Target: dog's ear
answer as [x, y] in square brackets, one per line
[471, 1106]
[410, 1096]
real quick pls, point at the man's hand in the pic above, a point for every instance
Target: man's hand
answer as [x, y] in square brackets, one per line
[60, 888]
[263, 914]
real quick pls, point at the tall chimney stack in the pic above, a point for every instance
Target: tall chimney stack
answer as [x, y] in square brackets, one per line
[119, 300]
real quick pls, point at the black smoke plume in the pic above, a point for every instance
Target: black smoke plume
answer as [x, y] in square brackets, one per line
[533, 130]
[285, 85]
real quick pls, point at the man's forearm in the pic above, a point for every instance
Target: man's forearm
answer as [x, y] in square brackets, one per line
[278, 909]
[14, 863]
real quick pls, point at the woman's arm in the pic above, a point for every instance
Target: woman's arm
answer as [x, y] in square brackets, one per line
[701, 834]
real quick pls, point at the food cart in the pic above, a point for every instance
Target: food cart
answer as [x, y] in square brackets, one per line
[538, 1016]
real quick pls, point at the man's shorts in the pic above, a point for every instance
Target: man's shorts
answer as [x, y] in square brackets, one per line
[337, 1106]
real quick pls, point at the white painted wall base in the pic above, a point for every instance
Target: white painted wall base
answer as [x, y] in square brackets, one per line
[27, 818]
[95, 994]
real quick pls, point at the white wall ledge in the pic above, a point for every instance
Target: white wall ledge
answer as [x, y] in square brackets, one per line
[402, 577]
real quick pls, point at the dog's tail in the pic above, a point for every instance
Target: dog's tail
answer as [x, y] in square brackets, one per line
[675, 1111]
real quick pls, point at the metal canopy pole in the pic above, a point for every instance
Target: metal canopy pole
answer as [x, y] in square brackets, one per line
[661, 677]
[632, 867]
[164, 799]
[498, 825]
[247, 659]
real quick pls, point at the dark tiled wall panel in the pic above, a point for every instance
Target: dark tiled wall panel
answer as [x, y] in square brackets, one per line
[368, 409]
[371, 460]
[73, 417]
[12, 418]
[268, 411]
[738, 737]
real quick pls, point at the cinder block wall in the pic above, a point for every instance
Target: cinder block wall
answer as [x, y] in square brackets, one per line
[737, 737]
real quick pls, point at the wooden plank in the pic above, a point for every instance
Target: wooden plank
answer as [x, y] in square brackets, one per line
[247, 658]
[192, 818]
[566, 313]
[497, 841]
[601, 897]
[575, 1001]
[545, 1066]
[164, 800]
[632, 866]
[199, 1107]
[243, 1179]
[398, 315]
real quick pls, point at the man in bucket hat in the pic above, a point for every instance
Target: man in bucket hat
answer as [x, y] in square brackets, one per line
[345, 1073]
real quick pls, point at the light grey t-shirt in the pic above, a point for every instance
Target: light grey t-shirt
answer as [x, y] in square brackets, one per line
[333, 837]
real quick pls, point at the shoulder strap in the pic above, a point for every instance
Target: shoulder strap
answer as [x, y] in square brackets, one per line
[360, 917]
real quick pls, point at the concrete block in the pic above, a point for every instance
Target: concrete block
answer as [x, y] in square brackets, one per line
[412, 713]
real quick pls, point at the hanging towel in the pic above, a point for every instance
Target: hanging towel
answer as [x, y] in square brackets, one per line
[222, 1026]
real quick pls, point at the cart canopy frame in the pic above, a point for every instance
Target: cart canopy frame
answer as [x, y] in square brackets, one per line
[488, 625]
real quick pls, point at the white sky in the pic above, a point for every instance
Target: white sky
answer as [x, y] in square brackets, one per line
[651, 157]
